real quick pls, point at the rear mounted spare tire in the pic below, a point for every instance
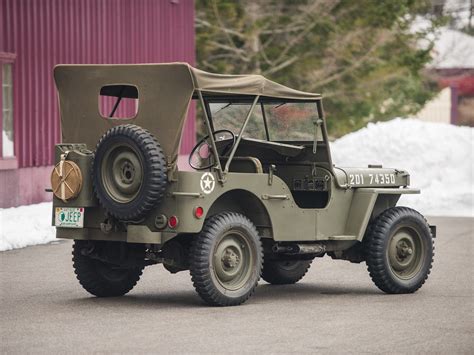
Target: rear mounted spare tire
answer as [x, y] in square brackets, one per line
[128, 172]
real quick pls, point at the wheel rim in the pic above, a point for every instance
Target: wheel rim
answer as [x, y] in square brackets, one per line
[405, 253]
[233, 260]
[122, 173]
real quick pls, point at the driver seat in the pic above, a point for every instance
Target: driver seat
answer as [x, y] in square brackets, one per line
[245, 165]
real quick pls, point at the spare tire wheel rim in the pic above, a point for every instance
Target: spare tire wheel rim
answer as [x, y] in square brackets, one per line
[122, 172]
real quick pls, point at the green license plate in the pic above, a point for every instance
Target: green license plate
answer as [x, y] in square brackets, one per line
[69, 217]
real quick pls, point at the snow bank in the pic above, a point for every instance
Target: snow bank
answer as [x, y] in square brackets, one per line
[26, 225]
[439, 158]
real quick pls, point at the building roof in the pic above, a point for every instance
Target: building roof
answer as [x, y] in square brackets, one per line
[453, 50]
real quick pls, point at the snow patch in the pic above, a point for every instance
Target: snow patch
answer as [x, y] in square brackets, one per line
[7, 145]
[439, 158]
[26, 225]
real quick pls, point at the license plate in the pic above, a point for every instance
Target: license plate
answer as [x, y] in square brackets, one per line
[69, 217]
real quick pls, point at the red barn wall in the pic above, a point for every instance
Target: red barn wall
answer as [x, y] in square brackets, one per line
[41, 34]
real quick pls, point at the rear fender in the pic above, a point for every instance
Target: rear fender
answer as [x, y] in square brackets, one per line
[246, 203]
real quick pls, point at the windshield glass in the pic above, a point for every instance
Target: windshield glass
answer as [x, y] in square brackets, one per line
[231, 116]
[291, 121]
[285, 121]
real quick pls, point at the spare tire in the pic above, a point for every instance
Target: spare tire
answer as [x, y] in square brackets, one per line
[128, 172]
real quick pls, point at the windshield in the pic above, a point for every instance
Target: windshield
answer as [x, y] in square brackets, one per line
[231, 116]
[290, 121]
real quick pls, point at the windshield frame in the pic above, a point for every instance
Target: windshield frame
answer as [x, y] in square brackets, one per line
[253, 101]
[262, 101]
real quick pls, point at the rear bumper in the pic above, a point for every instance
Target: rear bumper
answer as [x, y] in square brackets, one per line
[134, 234]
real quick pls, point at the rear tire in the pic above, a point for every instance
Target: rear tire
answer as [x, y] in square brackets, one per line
[285, 272]
[103, 279]
[226, 260]
[399, 249]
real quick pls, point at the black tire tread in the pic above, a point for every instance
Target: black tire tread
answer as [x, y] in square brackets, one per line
[374, 242]
[156, 178]
[274, 275]
[201, 248]
[92, 281]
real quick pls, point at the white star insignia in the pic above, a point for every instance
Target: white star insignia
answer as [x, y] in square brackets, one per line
[207, 183]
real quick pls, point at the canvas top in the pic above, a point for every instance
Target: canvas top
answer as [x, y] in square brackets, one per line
[226, 84]
[164, 92]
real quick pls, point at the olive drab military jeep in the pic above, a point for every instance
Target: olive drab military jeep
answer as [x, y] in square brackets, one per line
[261, 196]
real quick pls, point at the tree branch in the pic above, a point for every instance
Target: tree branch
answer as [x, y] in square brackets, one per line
[226, 33]
[281, 66]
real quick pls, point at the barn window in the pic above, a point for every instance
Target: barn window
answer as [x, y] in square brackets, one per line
[7, 111]
[118, 101]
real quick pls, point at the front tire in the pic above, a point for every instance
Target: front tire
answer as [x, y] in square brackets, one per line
[103, 279]
[285, 272]
[399, 250]
[226, 260]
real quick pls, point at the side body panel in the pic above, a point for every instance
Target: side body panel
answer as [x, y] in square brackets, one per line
[288, 222]
[285, 217]
[271, 206]
[345, 217]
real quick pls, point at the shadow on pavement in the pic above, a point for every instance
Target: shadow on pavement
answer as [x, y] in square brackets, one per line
[265, 293]
[308, 290]
[156, 300]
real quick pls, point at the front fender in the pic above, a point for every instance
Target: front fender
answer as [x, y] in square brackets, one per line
[367, 203]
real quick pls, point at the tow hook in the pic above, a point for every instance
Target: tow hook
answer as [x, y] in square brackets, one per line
[106, 226]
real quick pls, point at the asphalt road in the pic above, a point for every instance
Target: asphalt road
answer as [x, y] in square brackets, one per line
[336, 308]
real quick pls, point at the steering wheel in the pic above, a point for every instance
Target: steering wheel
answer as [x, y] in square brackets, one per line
[201, 157]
